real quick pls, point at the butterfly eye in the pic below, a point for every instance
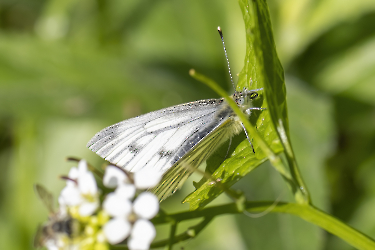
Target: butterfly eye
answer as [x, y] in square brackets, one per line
[241, 101]
[253, 95]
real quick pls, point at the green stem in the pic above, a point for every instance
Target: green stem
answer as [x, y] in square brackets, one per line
[303, 211]
[192, 232]
[172, 235]
[329, 223]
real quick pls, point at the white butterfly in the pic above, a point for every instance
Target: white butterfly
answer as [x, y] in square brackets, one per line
[173, 141]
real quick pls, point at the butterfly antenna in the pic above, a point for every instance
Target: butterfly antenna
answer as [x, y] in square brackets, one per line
[226, 55]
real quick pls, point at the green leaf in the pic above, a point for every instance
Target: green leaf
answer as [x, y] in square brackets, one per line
[270, 72]
[262, 69]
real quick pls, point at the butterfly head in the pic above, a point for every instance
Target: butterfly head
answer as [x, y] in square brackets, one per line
[245, 98]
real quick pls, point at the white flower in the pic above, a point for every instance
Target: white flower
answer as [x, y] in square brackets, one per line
[116, 230]
[87, 184]
[114, 176]
[146, 206]
[70, 196]
[81, 190]
[143, 179]
[126, 191]
[117, 206]
[138, 244]
[142, 231]
[130, 219]
[73, 173]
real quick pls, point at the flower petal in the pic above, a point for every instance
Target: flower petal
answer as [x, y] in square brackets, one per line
[126, 191]
[138, 244]
[82, 167]
[87, 184]
[147, 178]
[116, 230]
[73, 173]
[117, 206]
[63, 209]
[113, 176]
[143, 230]
[70, 196]
[146, 206]
[88, 208]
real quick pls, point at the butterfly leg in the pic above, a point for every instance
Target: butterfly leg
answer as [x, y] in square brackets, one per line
[247, 136]
[248, 111]
[257, 108]
[253, 90]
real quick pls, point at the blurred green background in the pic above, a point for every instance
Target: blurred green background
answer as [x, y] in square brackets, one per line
[70, 68]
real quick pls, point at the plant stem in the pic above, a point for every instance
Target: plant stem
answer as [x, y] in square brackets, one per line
[188, 234]
[329, 223]
[172, 235]
[305, 212]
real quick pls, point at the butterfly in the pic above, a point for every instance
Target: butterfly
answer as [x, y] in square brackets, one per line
[173, 141]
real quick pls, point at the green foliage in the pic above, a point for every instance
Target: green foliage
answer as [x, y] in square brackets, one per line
[262, 69]
[267, 71]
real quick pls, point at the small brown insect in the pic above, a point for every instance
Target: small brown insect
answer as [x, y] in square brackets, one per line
[59, 225]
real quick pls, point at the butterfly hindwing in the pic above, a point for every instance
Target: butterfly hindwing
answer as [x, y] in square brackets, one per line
[185, 166]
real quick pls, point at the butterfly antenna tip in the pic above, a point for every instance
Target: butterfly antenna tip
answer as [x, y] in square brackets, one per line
[226, 55]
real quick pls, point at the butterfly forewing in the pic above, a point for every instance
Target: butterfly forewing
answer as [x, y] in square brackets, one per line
[153, 139]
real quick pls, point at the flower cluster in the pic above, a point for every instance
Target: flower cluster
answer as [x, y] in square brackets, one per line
[130, 218]
[80, 191]
[123, 215]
